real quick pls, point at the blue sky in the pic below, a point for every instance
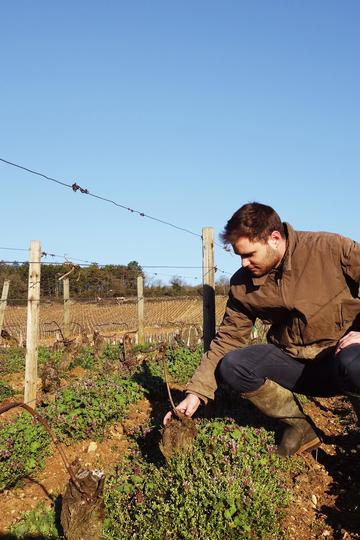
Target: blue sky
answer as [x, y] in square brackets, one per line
[181, 110]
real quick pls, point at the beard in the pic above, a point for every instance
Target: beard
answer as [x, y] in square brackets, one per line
[271, 260]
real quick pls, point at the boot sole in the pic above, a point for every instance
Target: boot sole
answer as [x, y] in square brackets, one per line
[311, 445]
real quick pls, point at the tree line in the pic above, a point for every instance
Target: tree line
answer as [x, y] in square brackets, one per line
[95, 283]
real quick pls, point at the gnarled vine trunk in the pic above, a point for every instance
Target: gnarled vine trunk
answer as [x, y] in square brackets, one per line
[82, 512]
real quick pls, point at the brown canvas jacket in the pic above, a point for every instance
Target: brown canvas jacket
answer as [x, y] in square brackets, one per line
[310, 301]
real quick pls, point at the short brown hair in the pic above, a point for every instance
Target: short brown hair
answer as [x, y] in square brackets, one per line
[255, 221]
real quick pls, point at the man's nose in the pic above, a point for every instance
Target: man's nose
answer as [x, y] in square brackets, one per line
[245, 262]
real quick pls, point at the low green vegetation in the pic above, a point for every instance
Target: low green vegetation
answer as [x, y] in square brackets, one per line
[180, 365]
[302, 399]
[47, 355]
[112, 352]
[83, 409]
[23, 446]
[5, 391]
[12, 360]
[182, 362]
[229, 487]
[39, 523]
[84, 358]
[143, 348]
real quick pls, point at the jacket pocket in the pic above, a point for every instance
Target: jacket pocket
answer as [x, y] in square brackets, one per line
[323, 325]
[350, 313]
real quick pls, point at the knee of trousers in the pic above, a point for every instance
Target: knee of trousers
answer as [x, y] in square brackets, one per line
[349, 365]
[234, 369]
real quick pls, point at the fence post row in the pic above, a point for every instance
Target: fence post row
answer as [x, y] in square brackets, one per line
[208, 285]
[32, 328]
[140, 304]
[3, 302]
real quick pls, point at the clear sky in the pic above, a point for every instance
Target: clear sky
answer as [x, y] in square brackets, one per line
[181, 110]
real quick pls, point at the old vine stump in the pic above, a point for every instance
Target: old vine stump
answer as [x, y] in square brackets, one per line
[82, 512]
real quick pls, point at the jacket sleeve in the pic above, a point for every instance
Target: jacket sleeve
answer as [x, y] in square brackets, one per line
[350, 258]
[234, 332]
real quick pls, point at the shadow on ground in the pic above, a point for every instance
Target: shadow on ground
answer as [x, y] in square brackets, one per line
[344, 469]
[227, 404]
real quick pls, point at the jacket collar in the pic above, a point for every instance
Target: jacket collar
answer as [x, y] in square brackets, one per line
[287, 259]
[291, 240]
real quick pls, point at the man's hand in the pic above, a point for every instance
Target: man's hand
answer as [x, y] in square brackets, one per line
[188, 406]
[352, 338]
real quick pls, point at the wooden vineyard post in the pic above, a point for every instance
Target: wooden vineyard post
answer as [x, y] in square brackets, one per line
[208, 285]
[3, 302]
[32, 327]
[66, 290]
[140, 303]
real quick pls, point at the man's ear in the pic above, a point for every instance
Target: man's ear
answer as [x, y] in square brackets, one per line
[275, 235]
[274, 238]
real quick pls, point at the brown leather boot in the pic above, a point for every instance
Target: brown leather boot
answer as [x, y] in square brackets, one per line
[278, 402]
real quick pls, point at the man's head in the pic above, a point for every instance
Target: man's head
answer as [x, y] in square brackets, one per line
[257, 234]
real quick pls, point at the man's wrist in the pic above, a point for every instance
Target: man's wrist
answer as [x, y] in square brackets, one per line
[202, 398]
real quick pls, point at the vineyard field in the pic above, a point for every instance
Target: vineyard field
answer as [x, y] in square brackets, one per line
[161, 316]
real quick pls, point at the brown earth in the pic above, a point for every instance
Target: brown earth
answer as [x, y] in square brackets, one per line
[326, 492]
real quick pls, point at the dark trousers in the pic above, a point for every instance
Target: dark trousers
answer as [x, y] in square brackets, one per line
[246, 369]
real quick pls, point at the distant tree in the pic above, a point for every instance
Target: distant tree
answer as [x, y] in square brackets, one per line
[135, 268]
[222, 285]
[177, 285]
[91, 282]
